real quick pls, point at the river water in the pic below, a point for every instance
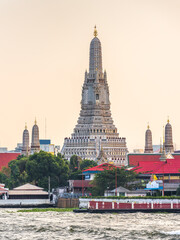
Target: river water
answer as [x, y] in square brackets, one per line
[82, 226]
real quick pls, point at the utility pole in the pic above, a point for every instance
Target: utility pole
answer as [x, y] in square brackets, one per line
[116, 180]
[49, 187]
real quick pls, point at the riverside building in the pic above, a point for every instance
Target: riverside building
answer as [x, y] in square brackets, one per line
[95, 134]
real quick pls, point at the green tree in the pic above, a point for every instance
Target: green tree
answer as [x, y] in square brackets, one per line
[42, 165]
[76, 165]
[18, 174]
[85, 164]
[107, 180]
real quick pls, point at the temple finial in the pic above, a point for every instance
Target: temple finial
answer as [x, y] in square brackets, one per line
[148, 125]
[163, 136]
[35, 122]
[25, 125]
[168, 119]
[95, 31]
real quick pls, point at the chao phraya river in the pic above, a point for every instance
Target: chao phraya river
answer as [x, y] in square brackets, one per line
[82, 226]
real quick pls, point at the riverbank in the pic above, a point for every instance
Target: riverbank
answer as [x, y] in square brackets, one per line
[47, 210]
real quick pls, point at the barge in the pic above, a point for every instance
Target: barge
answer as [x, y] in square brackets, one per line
[132, 205]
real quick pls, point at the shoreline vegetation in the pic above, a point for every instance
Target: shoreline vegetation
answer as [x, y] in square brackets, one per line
[47, 210]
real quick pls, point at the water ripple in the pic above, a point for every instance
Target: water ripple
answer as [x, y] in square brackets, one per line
[67, 225]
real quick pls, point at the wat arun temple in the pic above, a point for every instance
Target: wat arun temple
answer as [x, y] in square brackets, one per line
[95, 136]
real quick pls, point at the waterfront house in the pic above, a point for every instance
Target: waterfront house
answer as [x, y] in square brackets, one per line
[28, 191]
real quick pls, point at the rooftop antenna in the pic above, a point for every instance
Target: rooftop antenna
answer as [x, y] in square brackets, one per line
[45, 128]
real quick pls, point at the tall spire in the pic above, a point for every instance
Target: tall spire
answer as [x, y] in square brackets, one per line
[148, 141]
[95, 59]
[160, 150]
[168, 138]
[163, 154]
[25, 142]
[35, 145]
[95, 127]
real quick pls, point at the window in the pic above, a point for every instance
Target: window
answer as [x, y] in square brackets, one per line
[97, 96]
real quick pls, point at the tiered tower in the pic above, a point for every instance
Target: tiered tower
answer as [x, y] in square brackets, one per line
[148, 141]
[25, 145]
[168, 138]
[95, 130]
[35, 145]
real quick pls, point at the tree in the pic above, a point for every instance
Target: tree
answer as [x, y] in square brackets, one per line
[42, 165]
[76, 165]
[18, 175]
[107, 180]
[36, 169]
[85, 164]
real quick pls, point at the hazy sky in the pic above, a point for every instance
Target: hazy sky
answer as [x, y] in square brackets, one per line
[44, 52]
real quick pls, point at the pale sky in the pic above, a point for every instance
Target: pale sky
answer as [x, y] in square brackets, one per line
[44, 52]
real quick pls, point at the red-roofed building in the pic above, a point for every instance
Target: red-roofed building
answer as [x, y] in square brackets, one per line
[135, 158]
[90, 173]
[84, 186]
[5, 158]
[170, 169]
[76, 186]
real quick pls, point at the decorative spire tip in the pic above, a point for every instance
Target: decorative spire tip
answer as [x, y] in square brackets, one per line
[95, 31]
[25, 125]
[35, 122]
[168, 119]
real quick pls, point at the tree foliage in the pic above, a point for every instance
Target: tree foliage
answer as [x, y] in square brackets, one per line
[36, 169]
[42, 165]
[76, 165]
[107, 180]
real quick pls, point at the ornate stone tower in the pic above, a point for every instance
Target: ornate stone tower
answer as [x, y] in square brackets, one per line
[35, 145]
[25, 146]
[168, 138]
[95, 129]
[148, 141]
